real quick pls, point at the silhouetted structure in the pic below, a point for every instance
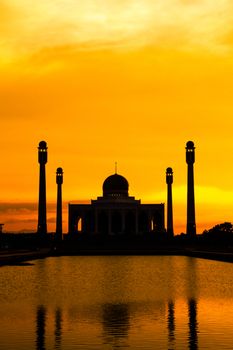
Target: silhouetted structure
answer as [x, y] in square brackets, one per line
[169, 181]
[171, 322]
[40, 327]
[58, 328]
[1, 228]
[59, 180]
[193, 324]
[116, 213]
[190, 159]
[42, 158]
[116, 325]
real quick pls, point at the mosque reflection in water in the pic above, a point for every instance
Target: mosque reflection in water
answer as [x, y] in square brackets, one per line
[41, 315]
[116, 324]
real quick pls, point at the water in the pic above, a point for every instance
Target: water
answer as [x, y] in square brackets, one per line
[92, 303]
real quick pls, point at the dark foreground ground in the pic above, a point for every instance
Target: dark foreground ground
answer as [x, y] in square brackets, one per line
[17, 249]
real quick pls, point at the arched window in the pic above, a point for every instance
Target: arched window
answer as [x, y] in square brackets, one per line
[152, 224]
[80, 225]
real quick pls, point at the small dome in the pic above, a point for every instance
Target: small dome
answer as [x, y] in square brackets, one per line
[169, 170]
[190, 145]
[59, 171]
[43, 145]
[115, 186]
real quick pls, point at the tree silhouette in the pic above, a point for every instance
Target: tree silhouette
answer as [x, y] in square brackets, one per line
[222, 233]
[225, 227]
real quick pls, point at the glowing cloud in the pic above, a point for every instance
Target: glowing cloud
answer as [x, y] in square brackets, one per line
[114, 24]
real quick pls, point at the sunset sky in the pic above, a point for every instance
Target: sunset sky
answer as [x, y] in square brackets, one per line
[116, 80]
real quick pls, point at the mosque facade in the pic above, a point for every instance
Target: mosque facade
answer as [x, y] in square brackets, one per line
[116, 213]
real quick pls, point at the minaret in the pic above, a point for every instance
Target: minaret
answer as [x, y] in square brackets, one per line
[190, 159]
[59, 180]
[42, 158]
[169, 181]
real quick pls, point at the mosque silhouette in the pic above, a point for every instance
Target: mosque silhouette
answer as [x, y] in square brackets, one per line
[115, 213]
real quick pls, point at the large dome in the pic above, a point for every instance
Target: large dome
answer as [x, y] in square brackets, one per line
[115, 186]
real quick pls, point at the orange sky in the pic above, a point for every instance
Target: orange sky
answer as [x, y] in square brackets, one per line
[128, 81]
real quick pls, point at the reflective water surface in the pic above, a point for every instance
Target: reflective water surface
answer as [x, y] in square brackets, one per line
[160, 302]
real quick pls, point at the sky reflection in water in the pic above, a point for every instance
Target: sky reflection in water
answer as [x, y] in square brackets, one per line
[116, 303]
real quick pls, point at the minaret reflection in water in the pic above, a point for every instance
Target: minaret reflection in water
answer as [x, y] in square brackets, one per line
[193, 324]
[192, 290]
[192, 310]
[58, 328]
[40, 327]
[171, 323]
[41, 318]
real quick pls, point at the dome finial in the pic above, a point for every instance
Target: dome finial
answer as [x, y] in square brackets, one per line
[115, 167]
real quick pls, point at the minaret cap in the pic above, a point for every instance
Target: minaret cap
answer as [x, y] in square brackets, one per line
[59, 176]
[190, 145]
[190, 152]
[43, 145]
[169, 176]
[169, 171]
[59, 171]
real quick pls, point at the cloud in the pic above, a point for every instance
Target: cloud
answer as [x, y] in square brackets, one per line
[19, 217]
[20, 221]
[109, 24]
[17, 207]
[22, 208]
